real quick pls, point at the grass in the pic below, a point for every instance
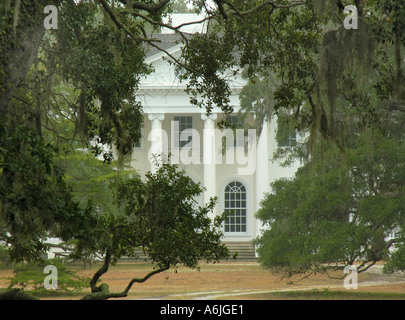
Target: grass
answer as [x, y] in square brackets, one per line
[226, 278]
[324, 294]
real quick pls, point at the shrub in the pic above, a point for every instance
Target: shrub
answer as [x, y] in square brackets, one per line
[31, 276]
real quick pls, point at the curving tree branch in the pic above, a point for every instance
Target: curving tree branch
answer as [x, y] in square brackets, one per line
[151, 8]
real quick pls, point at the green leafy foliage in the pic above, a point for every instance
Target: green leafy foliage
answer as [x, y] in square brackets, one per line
[337, 211]
[172, 229]
[92, 179]
[205, 65]
[105, 65]
[303, 64]
[159, 215]
[35, 201]
[31, 276]
[333, 85]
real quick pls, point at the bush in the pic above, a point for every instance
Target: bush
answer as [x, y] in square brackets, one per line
[32, 276]
[16, 294]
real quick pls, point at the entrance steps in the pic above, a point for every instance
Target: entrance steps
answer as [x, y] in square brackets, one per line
[245, 250]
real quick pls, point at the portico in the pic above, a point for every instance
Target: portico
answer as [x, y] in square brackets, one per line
[238, 172]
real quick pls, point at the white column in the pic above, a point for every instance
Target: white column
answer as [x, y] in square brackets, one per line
[209, 156]
[262, 180]
[158, 139]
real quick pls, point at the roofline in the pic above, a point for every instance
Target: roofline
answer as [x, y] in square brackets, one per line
[157, 56]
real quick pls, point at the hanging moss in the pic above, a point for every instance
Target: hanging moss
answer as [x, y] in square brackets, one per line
[341, 50]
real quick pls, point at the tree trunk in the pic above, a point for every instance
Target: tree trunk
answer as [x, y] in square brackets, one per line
[99, 273]
[22, 34]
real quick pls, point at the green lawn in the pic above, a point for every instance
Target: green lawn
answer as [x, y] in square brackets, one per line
[320, 295]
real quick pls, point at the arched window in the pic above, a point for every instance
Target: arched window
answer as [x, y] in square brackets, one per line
[235, 207]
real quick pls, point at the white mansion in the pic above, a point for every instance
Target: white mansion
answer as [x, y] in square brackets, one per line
[239, 172]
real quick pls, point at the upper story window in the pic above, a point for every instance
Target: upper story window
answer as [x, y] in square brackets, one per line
[138, 144]
[237, 125]
[290, 140]
[184, 123]
[286, 134]
[235, 122]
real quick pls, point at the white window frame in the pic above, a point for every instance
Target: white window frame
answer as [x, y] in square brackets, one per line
[178, 144]
[234, 216]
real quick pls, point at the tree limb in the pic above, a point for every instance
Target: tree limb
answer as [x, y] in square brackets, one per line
[140, 280]
[61, 246]
[103, 293]
[151, 8]
[269, 3]
[120, 25]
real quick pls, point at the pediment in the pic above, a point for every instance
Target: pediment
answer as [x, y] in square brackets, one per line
[165, 76]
